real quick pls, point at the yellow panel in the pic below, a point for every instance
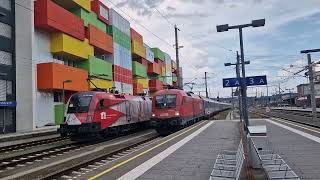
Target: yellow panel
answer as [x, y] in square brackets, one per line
[68, 46]
[163, 71]
[144, 82]
[103, 84]
[85, 4]
[138, 49]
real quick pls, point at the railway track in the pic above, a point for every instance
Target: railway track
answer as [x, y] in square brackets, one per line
[23, 146]
[55, 162]
[301, 117]
[29, 158]
[93, 164]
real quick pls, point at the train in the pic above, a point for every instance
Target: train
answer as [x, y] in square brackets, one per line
[173, 109]
[101, 113]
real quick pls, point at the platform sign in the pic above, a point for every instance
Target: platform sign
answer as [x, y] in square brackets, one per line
[256, 80]
[250, 81]
[231, 82]
[8, 103]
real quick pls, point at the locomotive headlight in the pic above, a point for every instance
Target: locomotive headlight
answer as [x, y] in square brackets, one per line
[177, 113]
[153, 115]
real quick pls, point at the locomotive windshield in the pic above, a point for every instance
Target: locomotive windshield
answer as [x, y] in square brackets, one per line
[166, 101]
[79, 103]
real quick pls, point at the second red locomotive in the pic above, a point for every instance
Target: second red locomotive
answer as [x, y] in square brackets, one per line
[173, 109]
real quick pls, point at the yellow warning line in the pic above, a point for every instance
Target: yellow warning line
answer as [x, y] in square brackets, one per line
[142, 153]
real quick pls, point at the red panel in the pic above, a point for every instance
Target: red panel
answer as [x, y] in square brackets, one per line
[154, 68]
[143, 61]
[53, 18]
[136, 36]
[95, 7]
[160, 62]
[99, 39]
[155, 85]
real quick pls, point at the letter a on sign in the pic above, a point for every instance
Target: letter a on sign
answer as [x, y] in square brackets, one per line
[237, 83]
[261, 81]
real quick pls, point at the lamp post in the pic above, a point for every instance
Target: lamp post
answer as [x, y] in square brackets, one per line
[226, 27]
[63, 95]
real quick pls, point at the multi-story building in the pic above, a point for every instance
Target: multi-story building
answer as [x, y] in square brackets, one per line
[7, 66]
[51, 49]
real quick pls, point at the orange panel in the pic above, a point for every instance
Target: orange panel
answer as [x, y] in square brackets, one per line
[154, 68]
[50, 76]
[99, 39]
[137, 88]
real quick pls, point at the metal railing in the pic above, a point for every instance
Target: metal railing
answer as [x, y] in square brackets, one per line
[228, 164]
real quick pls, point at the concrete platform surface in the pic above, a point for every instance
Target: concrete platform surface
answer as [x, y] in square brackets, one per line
[188, 154]
[297, 145]
[195, 160]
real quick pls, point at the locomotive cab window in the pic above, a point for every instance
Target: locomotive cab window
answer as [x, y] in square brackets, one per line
[166, 101]
[79, 104]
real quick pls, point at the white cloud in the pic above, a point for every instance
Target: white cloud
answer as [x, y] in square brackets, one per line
[203, 46]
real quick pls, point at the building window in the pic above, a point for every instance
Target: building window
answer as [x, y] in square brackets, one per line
[5, 89]
[104, 12]
[5, 4]
[5, 30]
[5, 58]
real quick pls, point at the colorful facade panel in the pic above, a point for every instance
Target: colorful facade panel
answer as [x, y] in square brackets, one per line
[101, 10]
[65, 45]
[75, 4]
[138, 49]
[99, 39]
[53, 18]
[90, 18]
[97, 67]
[50, 76]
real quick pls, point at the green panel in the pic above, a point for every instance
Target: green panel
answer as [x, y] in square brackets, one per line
[98, 67]
[58, 114]
[158, 54]
[119, 37]
[174, 79]
[139, 69]
[90, 18]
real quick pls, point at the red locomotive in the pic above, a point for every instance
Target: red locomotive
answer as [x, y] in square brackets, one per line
[173, 109]
[102, 113]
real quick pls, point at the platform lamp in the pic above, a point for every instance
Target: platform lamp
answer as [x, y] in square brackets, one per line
[63, 95]
[226, 27]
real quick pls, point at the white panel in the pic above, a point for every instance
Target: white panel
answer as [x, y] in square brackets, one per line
[43, 102]
[149, 53]
[6, 4]
[42, 52]
[5, 58]
[118, 21]
[5, 30]
[45, 109]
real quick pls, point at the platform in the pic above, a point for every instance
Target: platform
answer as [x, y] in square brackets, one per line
[299, 145]
[23, 137]
[188, 154]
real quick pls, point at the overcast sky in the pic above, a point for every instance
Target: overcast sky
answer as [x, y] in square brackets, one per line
[291, 26]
